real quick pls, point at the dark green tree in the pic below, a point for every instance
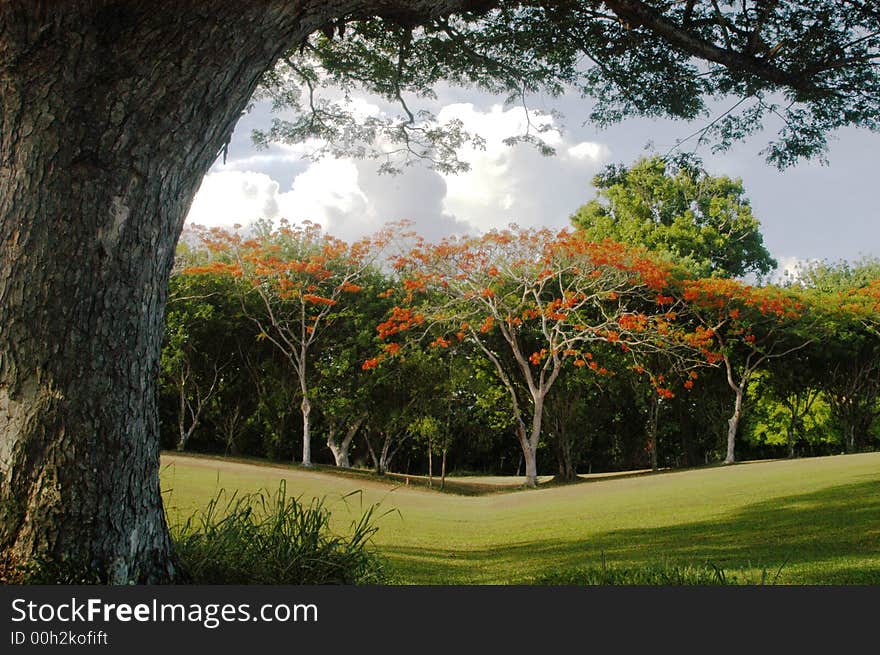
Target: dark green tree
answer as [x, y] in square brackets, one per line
[200, 345]
[702, 221]
[851, 354]
[795, 383]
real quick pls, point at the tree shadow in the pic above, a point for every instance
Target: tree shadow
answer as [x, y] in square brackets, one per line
[830, 536]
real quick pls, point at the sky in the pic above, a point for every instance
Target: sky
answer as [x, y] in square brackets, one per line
[808, 212]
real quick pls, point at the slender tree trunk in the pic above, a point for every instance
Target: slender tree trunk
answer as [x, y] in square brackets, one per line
[231, 424]
[443, 470]
[563, 447]
[384, 457]
[792, 405]
[332, 445]
[381, 460]
[531, 462]
[733, 426]
[345, 447]
[738, 389]
[531, 449]
[185, 435]
[653, 429]
[529, 455]
[306, 408]
[860, 430]
[430, 467]
[529, 446]
[181, 416]
[110, 114]
[372, 452]
[194, 413]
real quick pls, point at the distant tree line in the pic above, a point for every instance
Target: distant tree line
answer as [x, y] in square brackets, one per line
[630, 341]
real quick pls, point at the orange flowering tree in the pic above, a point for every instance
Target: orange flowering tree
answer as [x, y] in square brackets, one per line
[744, 327]
[533, 302]
[864, 304]
[302, 279]
[850, 358]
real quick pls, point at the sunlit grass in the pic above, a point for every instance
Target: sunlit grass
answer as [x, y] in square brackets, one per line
[818, 519]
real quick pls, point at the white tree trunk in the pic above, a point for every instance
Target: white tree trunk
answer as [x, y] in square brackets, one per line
[341, 450]
[430, 467]
[733, 426]
[306, 407]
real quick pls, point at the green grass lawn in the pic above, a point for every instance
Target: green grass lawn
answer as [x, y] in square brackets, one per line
[818, 519]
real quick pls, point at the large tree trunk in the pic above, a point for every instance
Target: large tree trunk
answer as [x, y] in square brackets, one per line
[110, 114]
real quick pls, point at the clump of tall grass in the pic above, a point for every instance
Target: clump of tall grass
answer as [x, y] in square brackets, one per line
[273, 538]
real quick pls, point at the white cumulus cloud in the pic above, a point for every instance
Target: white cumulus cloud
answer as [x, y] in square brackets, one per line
[229, 197]
[517, 184]
[350, 199]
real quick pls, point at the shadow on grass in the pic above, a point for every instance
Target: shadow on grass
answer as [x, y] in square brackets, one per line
[830, 536]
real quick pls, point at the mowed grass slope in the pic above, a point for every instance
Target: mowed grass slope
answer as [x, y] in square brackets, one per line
[818, 519]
